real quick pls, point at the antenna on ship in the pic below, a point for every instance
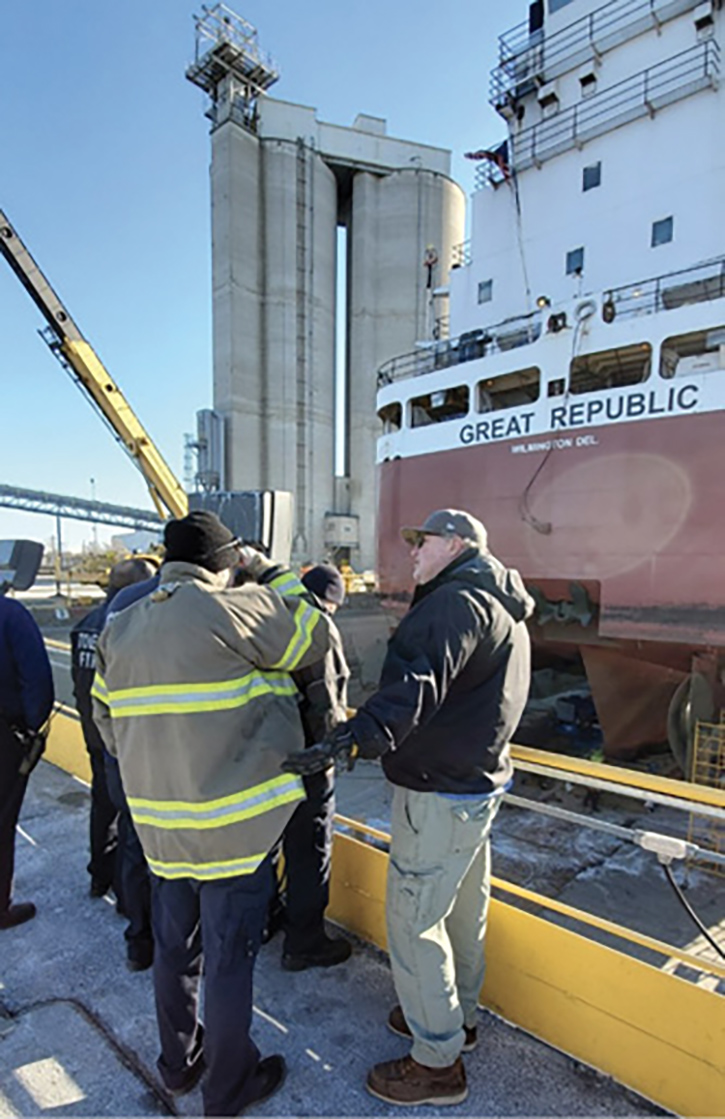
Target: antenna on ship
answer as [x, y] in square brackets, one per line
[230, 66]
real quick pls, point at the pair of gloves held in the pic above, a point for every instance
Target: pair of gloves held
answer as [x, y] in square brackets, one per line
[338, 747]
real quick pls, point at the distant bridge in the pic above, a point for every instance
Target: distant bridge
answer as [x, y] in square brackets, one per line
[78, 509]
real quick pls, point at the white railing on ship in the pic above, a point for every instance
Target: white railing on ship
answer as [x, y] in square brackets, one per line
[524, 55]
[698, 284]
[472, 344]
[685, 73]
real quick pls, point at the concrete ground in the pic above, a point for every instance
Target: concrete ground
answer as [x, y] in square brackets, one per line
[78, 1032]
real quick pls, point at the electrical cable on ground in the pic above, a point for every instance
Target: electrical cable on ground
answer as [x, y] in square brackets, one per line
[690, 911]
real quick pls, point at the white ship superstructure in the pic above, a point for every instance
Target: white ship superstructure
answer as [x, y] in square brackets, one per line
[577, 405]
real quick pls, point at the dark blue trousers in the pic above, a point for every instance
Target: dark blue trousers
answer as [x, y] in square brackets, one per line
[307, 844]
[12, 791]
[217, 924]
[133, 878]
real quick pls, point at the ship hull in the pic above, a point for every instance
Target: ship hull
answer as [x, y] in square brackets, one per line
[629, 514]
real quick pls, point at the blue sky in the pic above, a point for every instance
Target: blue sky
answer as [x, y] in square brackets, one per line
[104, 172]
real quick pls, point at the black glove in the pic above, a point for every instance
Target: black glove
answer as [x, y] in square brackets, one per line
[338, 746]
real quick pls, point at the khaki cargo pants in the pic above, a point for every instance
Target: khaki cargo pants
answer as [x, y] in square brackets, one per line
[437, 904]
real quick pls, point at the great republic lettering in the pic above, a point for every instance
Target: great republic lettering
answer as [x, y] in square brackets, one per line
[598, 411]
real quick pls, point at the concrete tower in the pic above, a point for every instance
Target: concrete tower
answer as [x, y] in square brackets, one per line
[282, 182]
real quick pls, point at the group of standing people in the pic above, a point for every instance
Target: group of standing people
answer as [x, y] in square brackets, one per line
[224, 708]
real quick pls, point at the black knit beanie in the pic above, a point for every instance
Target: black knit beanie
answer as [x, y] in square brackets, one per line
[326, 583]
[200, 538]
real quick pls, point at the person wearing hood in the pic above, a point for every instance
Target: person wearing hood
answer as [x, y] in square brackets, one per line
[452, 690]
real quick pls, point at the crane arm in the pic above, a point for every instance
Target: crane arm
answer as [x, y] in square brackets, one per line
[82, 360]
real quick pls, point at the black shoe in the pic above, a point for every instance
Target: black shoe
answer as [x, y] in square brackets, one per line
[17, 914]
[271, 1072]
[139, 957]
[97, 889]
[332, 951]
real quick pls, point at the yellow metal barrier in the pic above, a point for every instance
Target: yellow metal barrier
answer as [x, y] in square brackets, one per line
[657, 1033]
[65, 747]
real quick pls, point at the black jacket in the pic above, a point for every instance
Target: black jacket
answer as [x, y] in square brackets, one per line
[454, 682]
[323, 687]
[83, 639]
[26, 679]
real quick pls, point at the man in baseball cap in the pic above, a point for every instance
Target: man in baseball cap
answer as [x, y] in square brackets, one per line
[452, 691]
[449, 523]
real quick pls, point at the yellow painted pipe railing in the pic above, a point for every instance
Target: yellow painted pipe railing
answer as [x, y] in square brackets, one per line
[649, 1029]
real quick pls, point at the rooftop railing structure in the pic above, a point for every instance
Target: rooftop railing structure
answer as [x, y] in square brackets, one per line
[526, 57]
[643, 94]
[227, 47]
[472, 344]
[698, 284]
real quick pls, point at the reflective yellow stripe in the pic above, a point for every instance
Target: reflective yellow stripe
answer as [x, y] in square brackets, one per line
[229, 868]
[193, 698]
[203, 815]
[305, 619]
[287, 583]
[98, 688]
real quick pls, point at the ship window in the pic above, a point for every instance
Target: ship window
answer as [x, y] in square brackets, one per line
[592, 176]
[439, 406]
[702, 351]
[588, 84]
[391, 417]
[512, 390]
[554, 5]
[485, 291]
[611, 369]
[575, 262]
[662, 231]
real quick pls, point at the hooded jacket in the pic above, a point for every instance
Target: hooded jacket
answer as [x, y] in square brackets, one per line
[193, 695]
[454, 682]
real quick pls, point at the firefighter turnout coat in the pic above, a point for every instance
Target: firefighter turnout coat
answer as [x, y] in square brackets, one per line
[193, 695]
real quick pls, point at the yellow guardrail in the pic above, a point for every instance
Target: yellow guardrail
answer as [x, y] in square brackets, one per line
[654, 1031]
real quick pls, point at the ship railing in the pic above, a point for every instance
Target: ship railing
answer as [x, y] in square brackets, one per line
[461, 253]
[685, 73]
[442, 328]
[472, 344]
[526, 57]
[488, 174]
[698, 284]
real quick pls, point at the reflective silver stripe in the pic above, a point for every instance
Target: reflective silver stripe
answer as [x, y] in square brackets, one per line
[229, 868]
[203, 815]
[306, 618]
[191, 698]
[98, 688]
[287, 583]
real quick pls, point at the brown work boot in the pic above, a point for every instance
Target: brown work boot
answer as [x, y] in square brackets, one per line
[406, 1082]
[398, 1024]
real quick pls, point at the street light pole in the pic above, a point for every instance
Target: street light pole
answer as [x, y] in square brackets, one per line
[95, 526]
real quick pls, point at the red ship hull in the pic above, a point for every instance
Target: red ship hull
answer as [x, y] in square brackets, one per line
[630, 512]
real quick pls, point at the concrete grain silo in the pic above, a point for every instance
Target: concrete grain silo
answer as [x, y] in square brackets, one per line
[282, 183]
[395, 219]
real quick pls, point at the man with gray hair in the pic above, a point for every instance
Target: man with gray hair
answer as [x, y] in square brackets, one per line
[452, 691]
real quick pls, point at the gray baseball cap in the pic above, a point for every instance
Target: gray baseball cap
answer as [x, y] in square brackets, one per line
[449, 522]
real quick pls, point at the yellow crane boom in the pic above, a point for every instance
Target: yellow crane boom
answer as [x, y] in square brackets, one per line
[81, 360]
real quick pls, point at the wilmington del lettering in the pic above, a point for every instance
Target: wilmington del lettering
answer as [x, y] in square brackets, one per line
[585, 413]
